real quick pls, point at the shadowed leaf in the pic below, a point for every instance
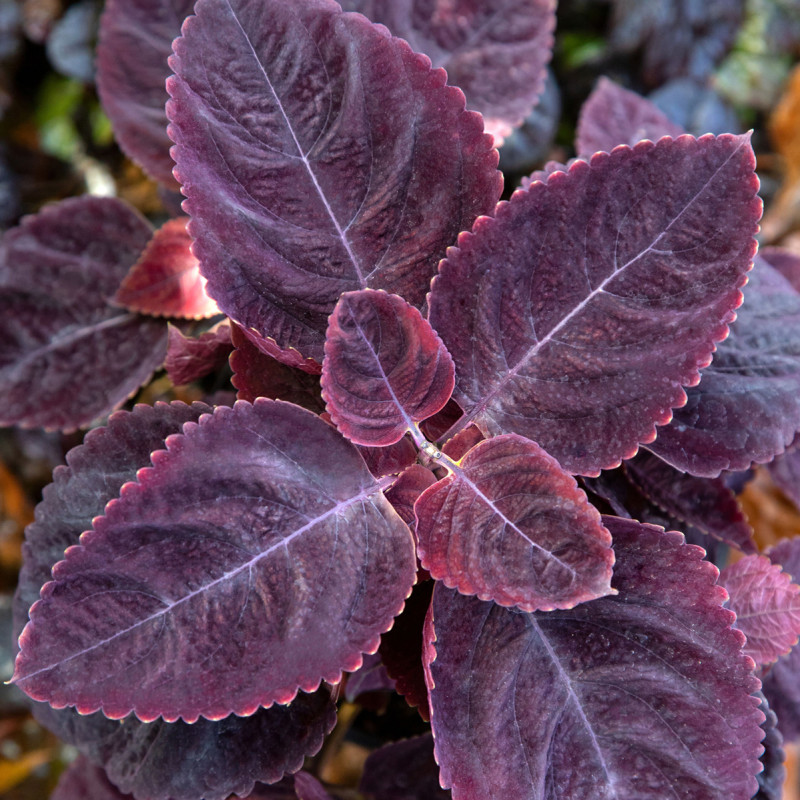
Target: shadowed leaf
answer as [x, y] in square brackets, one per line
[190, 358]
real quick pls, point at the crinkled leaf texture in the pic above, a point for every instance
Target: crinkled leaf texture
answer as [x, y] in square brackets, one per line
[154, 760]
[166, 280]
[510, 525]
[773, 776]
[767, 606]
[134, 45]
[576, 315]
[612, 116]
[318, 155]
[495, 51]
[385, 368]
[67, 356]
[257, 557]
[190, 358]
[640, 696]
[746, 407]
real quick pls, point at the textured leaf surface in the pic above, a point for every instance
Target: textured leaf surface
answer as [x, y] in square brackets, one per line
[773, 776]
[67, 356]
[641, 696]
[622, 273]
[403, 493]
[190, 358]
[767, 606]
[166, 280]
[318, 155]
[390, 460]
[212, 572]
[746, 407]
[135, 43]
[784, 470]
[496, 52]
[706, 503]
[385, 368]
[510, 525]
[612, 116]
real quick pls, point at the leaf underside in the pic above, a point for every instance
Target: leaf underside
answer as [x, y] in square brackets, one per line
[575, 315]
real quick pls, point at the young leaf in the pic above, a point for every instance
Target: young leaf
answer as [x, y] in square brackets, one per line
[511, 526]
[612, 116]
[496, 52]
[385, 368]
[67, 356]
[640, 696]
[134, 44]
[166, 280]
[189, 359]
[576, 315]
[767, 606]
[403, 493]
[318, 155]
[255, 558]
[746, 407]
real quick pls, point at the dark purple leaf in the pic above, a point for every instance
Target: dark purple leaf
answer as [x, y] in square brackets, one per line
[773, 776]
[135, 43]
[308, 787]
[584, 347]
[371, 676]
[403, 493]
[767, 606]
[705, 503]
[189, 359]
[438, 425]
[67, 356]
[510, 525]
[318, 155]
[496, 52]
[201, 591]
[640, 696]
[612, 116]
[392, 460]
[83, 780]
[166, 280]
[257, 374]
[403, 770]
[385, 368]
[746, 408]
[784, 470]
[457, 447]
[785, 261]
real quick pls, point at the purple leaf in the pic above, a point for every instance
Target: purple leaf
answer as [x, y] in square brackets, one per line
[392, 460]
[82, 780]
[496, 52]
[510, 525]
[784, 470]
[457, 447]
[201, 590]
[308, 787]
[403, 770]
[640, 696]
[318, 155]
[134, 45]
[403, 493]
[785, 261]
[371, 676]
[767, 606]
[746, 407]
[166, 280]
[191, 358]
[67, 357]
[705, 503]
[772, 777]
[385, 368]
[575, 315]
[612, 116]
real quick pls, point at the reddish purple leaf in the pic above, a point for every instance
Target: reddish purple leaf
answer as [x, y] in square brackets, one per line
[612, 116]
[403, 493]
[385, 368]
[746, 408]
[67, 356]
[640, 696]
[200, 592]
[784, 469]
[767, 606]
[283, 222]
[82, 780]
[623, 273]
[371, 676]
[190, 358]
[166, 280]
[510, 525]
[705, 503]
[392, 460]
[457, 447]
[307, 787]
[496, 52]
[134, 45]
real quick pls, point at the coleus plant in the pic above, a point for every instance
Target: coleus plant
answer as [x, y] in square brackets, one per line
[433, 457]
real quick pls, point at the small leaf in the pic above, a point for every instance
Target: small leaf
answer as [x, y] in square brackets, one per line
[190, 358]
[391, 460]
[511, 526]
[767, 606]
[67, 356]
[639, 696]
[612, 116]
[83, 780]
[385, 368]
[166, 280]
[266, 99]
[576, 315]
[218, 594]
[403, 493]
